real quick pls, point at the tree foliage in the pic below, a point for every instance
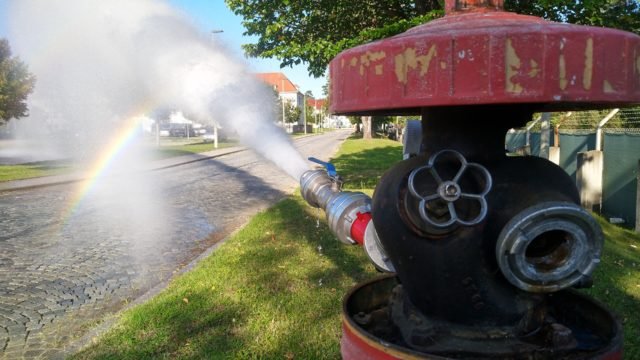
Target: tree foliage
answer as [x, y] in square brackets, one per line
[310, 114]
[16, 83]
[314, 32]
[619, 14]
[292, 113]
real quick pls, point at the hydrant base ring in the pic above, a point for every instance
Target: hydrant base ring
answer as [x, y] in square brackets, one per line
[600, 332]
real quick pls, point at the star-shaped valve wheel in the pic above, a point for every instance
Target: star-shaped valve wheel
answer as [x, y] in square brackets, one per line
[449, 191]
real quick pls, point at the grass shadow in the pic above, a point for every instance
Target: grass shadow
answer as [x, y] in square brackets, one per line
[272, 291]
[361, 163]
[617, 282]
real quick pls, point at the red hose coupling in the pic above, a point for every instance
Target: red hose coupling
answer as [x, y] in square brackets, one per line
[359, 226]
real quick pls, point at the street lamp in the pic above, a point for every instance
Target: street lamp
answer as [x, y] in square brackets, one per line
[215, 123]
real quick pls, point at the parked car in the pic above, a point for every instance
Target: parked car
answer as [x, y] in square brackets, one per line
[180, 130]
[208, 137]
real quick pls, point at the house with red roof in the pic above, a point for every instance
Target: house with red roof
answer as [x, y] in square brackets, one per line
[325, 119]
[316, 104]
[287, 90]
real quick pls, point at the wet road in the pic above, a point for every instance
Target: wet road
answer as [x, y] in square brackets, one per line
[68, 260]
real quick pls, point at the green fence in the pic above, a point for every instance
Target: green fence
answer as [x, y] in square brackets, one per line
[515, 140]
[518, 138]
[621, 155]
[571, 143]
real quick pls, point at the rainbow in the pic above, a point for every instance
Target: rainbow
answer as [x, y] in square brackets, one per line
[120, 140]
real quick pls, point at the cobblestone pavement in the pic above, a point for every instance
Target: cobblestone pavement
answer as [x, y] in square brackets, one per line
[65, 264]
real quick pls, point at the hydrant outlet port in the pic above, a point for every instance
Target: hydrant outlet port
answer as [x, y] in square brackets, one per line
[549, 247]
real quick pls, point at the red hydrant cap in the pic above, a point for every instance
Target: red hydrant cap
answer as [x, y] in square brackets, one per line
[477, 55]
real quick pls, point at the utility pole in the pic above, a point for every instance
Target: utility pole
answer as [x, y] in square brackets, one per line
[157, 133]
[284, 120]
[304, 112]
[215, 123]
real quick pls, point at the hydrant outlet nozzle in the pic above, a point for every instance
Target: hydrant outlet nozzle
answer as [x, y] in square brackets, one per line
[348, 213]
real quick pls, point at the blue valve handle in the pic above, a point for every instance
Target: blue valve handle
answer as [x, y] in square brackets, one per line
[331, 170]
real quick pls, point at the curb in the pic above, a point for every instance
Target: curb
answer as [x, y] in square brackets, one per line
[39, 182]
[45, 181]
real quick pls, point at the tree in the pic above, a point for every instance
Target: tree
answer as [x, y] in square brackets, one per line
[292, 113]
[371, 123]
[16, 83]
[310, 112]
[314, 32]
[619, 14]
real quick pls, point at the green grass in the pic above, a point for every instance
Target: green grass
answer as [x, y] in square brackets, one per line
[48, 168]
[186, 149]
[617, 282]
[312, 132]
[274, 289]
[33, 170]
[362, 162]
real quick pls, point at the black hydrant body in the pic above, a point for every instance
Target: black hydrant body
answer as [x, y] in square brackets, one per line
[486, 248]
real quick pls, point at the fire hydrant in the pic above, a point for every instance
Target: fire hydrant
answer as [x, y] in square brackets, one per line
[484, 248]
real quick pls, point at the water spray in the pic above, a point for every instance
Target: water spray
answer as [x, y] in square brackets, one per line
[100, 63]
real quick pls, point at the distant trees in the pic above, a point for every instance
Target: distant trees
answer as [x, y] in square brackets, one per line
[16, 83]
[292, 113]
[619, 14]
[313, 32]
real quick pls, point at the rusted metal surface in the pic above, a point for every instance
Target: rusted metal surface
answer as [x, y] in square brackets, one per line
[451, 276]
[483, 264]
[581, 328]
[488, 57]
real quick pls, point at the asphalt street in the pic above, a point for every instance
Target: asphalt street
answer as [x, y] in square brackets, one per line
[67, 261]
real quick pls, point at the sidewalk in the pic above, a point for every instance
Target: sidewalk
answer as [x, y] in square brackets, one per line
[80, 176]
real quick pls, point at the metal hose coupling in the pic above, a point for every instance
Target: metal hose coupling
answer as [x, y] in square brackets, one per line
[549, 247]
[348, 213]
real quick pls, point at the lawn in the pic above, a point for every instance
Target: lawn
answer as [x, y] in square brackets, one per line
[274, 289]
[46, 168]
[167, 151]
[32, 170]
[617, 282]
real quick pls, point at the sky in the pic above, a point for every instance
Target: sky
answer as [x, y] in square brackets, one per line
[211, 15]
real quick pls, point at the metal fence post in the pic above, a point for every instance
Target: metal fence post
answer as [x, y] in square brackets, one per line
[545, 140]
[638, 198]
[589, 175]
[602, 123]
[527, 143]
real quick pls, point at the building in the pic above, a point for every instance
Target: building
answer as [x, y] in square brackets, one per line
[323, 118]
[287, 91]
[316, 105]
[318, 114]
